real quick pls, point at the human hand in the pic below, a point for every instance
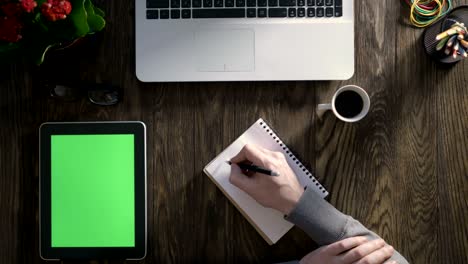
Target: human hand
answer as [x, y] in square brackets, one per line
[278, 192]
[356, 250]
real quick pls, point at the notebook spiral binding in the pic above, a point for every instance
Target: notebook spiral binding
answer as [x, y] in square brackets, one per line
[287, 152]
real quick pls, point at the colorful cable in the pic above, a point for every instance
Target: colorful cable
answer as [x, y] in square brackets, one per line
[425, 12]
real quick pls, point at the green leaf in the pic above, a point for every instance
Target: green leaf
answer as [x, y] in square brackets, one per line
[99, 11]
[9, 52]
[40, 23]
[79, 17]
[95, 22]
[37, 49]
[40, 52]
[9, 47]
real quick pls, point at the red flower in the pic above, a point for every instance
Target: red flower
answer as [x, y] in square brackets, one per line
[11, 9]
[10, 29]
[10, 23]
[55, 10]
[28, 5]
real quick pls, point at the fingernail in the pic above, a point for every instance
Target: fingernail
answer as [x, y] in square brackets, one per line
[389, 248]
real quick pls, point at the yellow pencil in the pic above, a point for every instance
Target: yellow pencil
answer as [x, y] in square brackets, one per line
[446, 33]
[464, 43]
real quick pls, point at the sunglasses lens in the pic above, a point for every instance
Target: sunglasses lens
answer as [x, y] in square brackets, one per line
[64, 92]
[104, 96]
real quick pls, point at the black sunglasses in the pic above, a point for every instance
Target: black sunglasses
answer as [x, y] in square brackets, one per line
[98, 93]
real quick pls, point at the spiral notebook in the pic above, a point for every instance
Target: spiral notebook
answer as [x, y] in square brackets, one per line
[268, 222]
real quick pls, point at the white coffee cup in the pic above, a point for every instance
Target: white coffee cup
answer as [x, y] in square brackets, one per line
[322, 108]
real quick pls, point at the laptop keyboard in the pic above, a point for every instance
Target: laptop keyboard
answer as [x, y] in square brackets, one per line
[187, 9]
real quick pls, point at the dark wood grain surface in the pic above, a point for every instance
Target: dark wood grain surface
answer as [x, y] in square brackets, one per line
[402, 171]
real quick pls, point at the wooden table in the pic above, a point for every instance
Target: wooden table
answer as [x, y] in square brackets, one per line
[402, 171]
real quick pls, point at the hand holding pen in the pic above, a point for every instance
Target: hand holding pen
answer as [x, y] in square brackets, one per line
[280, 192]
[248, 168]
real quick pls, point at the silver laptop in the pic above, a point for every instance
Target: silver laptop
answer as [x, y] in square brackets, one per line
[241, 40]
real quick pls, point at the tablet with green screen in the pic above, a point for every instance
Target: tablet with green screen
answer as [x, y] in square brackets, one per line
[93, 190]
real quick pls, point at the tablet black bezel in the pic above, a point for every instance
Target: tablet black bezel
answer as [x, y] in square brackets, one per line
[46, 130]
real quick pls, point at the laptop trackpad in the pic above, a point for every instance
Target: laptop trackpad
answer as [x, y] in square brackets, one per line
[226, 50]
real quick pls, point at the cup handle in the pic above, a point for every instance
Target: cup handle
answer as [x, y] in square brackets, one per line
[322, 108]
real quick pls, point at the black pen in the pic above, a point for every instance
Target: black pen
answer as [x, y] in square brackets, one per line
[255, 168]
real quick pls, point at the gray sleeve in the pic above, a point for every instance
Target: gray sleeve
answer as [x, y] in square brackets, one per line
[326, 225]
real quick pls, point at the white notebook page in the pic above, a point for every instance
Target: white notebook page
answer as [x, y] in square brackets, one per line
[269, 222]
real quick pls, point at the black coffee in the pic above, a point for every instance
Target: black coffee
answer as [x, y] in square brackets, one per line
[349, 104]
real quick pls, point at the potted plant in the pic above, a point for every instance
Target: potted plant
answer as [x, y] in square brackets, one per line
[32, 27]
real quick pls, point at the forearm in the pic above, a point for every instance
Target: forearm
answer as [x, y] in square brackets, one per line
[326, 225]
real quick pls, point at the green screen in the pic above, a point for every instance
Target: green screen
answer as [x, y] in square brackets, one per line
[92, 179]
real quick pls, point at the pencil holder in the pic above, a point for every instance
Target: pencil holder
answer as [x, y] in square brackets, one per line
[446, 41]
